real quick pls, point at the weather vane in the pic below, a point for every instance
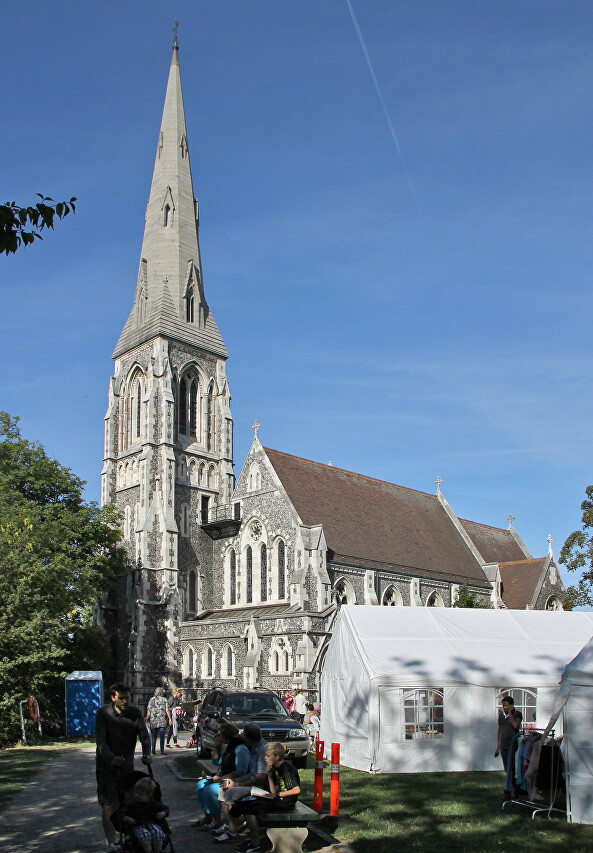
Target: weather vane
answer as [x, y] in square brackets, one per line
[175, 26]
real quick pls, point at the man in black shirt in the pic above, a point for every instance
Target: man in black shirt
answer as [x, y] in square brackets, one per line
[118, 725]
[284, 789]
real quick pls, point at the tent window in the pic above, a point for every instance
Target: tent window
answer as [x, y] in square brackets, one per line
[423, 714]
[525, 701]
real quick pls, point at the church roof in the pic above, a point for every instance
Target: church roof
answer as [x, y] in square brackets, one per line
[369, 522]
[493, 543]
[519, 581]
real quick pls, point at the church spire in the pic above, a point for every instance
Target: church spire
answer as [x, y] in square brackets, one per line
[170, 297]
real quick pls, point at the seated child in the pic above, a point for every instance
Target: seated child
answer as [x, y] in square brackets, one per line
[141, 813]
[284, 785]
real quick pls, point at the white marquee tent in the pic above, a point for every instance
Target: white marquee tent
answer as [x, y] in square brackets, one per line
[414, 689]
[574, 703]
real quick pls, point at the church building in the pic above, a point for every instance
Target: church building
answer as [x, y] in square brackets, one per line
[239, 583]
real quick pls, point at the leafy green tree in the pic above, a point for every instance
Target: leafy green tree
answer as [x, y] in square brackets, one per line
[57, 553]
[465, 598]
[21, 225]
[577, 553]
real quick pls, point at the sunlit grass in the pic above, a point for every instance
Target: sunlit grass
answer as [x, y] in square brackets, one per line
[428, 812]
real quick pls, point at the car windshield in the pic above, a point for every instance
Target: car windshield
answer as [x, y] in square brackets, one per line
[254, 705]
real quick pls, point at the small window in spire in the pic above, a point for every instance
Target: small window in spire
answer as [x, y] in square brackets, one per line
[167, 216]
[189, 305]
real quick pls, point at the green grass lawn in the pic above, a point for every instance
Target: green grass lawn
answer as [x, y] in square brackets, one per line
[19, 765]
[436, 813]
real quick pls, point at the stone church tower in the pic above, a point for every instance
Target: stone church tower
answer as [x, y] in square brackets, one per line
[168, 458]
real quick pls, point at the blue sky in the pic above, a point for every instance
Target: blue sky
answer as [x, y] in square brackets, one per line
[401, 313]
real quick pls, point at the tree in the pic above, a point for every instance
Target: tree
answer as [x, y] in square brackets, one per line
[57, 554]
[14, 220]
[465, 598]
[577, 553]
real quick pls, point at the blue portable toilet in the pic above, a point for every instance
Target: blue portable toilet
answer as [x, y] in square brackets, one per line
[84, 695]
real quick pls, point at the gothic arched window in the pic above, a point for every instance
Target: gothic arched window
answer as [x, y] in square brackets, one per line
[276, 662]
[193, 407]
[130, 410]
[167, 215]
[191, 592]
[249, 575]
[208, 663]
[190, 662]
[188, 405]
[189, 305]
[138, 409]
[344, 592]
[281, 569]
[230, 662]
[183, 407]
[210, 419]
[232, 577]
[264, 573]
[392, 597]
[435, 600]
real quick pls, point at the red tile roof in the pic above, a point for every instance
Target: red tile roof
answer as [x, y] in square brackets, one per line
[373, 523]
[519, 581]
[493, 543]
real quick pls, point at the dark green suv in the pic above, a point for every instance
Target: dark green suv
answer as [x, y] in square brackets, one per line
[251, 706]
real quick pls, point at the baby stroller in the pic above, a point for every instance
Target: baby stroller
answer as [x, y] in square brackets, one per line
[125, 784]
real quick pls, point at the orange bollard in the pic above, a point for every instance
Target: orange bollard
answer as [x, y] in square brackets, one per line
[318, 781]
[334, 783]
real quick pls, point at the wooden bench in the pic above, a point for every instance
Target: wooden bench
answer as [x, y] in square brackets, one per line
[288, 830]
[207, 767]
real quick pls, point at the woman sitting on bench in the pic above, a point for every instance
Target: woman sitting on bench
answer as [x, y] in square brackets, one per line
[285, 787]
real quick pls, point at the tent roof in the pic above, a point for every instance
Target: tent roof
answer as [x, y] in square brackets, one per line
[411, 646]
[580, 668]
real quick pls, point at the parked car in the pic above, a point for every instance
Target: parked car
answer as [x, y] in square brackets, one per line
[258, 706]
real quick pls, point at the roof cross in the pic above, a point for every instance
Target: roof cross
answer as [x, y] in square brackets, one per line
[255, 427]
[510, 519]
[437, 483]
[549, 540]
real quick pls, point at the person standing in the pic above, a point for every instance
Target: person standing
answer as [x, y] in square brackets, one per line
[300, 704]
[288, 702]
[118, 725]
[159, 718]
[174, 702]
[509, 723]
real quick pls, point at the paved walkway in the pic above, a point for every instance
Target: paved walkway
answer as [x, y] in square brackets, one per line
[58, 810]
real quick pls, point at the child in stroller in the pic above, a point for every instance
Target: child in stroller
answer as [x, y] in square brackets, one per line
[141, 816]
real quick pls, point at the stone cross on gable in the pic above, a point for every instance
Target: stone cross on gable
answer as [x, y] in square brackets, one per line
[255, 427]
[437, 483]
[510, 519]
[549, 540]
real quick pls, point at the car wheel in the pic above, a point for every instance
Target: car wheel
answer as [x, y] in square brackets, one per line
[202, 751]
[300, 763]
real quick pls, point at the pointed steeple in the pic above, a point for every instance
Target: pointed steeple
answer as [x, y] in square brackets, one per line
[170, 297]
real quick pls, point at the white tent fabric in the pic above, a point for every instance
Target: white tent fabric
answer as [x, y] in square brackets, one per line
[377, 655]
[574, 702]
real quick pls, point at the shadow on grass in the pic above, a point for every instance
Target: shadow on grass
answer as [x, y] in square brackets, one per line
[444, 812]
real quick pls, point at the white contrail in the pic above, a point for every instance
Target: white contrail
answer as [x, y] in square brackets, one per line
[383, 105]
